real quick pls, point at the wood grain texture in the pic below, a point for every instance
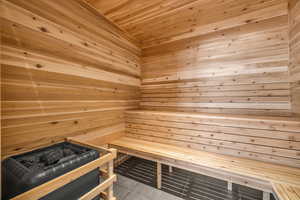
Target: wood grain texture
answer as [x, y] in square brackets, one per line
[65, 71]
[294, 19]
[241, 70]
[155, 156]
[286, 191]
[162, 21]
[220, 163]
[269, 139]
[232, 42]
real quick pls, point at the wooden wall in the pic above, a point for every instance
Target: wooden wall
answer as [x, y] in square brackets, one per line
[65, 71]
[224, 57]
[239, 65]
[295, 55]
[237, 68]
[269, 139]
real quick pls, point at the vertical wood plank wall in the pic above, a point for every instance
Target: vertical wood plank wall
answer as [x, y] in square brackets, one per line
[239, 67]
[295, 55]
[65, 71]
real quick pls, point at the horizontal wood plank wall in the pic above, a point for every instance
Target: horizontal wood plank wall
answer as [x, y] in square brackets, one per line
[270, 139]
[295, 55]
[65, 71]
[241, 70]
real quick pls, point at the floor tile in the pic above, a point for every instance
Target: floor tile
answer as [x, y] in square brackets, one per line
[128, 189]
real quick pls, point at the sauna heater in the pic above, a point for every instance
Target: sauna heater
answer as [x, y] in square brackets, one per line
[23, 172]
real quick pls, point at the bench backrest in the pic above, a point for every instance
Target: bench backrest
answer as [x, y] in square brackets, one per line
[267, 139]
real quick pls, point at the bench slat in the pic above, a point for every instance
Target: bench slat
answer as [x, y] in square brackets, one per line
[241, 166]
[286, 192]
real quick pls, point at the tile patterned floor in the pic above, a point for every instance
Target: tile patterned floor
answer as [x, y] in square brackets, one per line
[138, 182]
[128, 189]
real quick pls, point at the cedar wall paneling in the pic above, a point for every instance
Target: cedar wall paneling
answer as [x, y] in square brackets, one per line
[270, 139]
[213, 56]
[295, 55]
[65, 71]
[239, 70]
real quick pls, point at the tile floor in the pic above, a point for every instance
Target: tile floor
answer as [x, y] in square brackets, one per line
[128, 189]
[184, 184]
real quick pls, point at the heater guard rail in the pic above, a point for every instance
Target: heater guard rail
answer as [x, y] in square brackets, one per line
[105, 189]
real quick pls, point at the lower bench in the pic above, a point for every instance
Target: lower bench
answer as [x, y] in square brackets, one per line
[251, 173]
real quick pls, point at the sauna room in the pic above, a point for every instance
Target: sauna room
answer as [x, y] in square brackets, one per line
[150, 99]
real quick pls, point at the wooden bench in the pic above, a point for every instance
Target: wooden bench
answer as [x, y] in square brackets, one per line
[268, 139]
[286, 192]
[255, 174]
[235, 148]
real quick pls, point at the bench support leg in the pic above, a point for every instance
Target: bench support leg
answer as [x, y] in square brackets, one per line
[229, 186]
[170, 169]
[266, 196]
[110, 192]
[158, 175]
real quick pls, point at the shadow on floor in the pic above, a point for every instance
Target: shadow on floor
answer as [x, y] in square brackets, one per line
[128, 189]
[180, 184]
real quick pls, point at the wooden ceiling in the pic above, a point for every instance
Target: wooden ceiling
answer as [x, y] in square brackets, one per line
[160, 21]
